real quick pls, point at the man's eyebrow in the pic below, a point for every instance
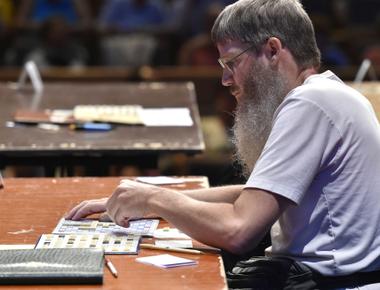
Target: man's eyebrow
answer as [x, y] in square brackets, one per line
[229, 54]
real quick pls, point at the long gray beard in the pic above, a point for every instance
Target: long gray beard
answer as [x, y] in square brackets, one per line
[264, 90]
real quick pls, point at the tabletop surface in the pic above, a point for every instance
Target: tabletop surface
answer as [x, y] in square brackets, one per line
[123, 140]
[33, 206]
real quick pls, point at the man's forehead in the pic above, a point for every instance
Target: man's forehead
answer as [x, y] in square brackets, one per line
[229, 46]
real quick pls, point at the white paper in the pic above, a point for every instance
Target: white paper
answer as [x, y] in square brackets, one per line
[166, 261]
[169, 233]
[159, 180]
[167, 117]
[174, 243]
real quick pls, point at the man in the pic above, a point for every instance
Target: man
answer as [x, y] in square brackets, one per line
[309, 145]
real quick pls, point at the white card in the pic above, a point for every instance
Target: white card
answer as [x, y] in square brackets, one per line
[166, 261]
[174, 243]
[159, 180]
[170, 233]
[167, 117]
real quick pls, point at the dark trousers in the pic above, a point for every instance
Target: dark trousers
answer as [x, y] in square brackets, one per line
[261, 273]
[279, 273]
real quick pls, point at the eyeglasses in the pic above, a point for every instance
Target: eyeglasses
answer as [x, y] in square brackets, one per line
[229, 62]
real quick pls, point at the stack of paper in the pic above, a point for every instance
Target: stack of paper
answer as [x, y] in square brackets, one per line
[166, 261]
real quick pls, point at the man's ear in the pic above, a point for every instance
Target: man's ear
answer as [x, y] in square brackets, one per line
[273, 49]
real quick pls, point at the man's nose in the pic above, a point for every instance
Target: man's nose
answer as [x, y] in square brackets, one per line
[227, 78]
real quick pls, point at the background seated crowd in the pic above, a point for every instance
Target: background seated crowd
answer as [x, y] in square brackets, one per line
[162, 32]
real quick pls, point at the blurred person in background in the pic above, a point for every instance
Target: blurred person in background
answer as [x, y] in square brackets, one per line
[57, 46]
[33, 13]
[6, 23]
[35, 26]
[128, 31]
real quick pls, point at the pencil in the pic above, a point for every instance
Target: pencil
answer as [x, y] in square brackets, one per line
[111, 267]
[179, 250]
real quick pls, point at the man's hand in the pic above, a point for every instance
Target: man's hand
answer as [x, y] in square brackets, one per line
[129, 201]
[86, 208]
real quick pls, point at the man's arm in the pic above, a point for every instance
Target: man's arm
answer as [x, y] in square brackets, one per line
[216, 194]
[236, 227]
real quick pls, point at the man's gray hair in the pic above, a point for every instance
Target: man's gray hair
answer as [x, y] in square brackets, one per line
[255, 21]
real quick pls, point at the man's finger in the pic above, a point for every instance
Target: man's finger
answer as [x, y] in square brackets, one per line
[104, 217]
[74, 210]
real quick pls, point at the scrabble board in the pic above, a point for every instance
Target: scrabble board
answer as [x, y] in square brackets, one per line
[110, 243]
[143, 227]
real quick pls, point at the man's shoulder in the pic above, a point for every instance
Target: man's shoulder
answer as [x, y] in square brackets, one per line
[325, 88]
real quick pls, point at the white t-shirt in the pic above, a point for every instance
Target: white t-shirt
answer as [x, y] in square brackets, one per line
[323, 153]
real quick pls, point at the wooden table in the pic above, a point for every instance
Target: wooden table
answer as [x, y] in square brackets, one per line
[25, 145]
[32, 206]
